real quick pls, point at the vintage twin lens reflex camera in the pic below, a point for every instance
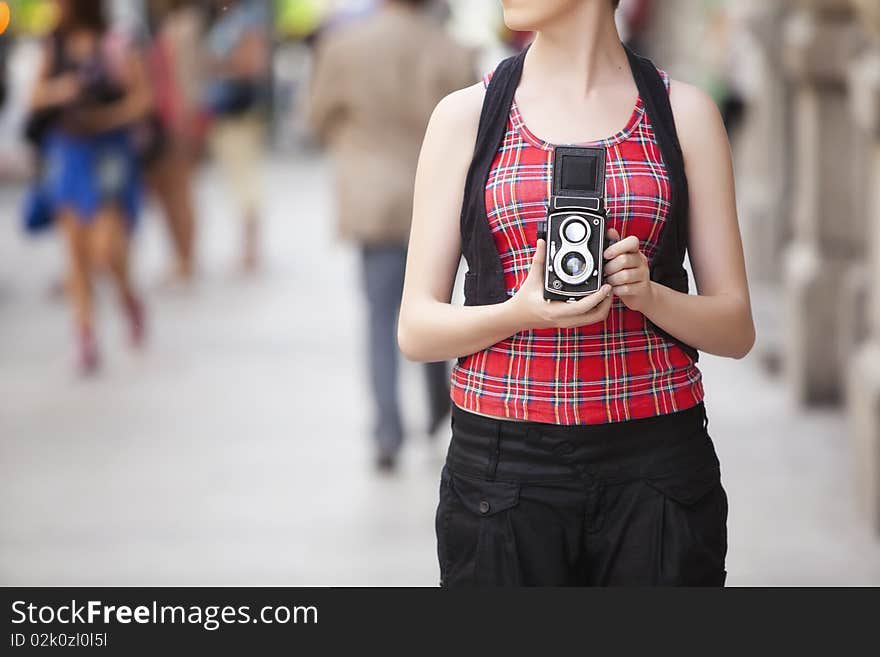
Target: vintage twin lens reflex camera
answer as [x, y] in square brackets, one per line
[575, 226]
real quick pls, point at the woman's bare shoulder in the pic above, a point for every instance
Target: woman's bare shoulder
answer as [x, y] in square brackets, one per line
[697, 117]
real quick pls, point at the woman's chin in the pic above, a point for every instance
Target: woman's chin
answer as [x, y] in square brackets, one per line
[533, 15]
[519, 20]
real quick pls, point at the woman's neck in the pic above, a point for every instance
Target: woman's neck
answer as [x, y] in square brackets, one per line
[581, 47]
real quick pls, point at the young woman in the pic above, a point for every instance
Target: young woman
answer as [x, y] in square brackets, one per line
[89, 93]
[579, 454]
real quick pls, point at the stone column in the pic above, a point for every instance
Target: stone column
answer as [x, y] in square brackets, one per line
[763, 155]
[863, 390]
[670, 36]
[827, 234]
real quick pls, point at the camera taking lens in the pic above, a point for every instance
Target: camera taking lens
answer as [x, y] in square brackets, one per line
[574, 264]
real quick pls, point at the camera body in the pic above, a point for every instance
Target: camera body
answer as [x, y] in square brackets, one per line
[576, 224]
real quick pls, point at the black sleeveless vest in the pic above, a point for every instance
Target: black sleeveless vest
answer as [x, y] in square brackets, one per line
[484, 281]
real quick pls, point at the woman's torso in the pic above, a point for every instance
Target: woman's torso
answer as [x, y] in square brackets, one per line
[611, 372]
[94, 60]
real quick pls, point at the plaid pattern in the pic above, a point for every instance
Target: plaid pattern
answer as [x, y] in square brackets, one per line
[611, 372]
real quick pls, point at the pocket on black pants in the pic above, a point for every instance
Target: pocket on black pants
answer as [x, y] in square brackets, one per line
[692, 528]
[475, 541]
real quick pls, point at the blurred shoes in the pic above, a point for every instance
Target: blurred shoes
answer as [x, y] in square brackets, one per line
[386, 461]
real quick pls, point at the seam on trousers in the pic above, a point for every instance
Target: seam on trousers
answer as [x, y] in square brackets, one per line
[474, 475]
[658, 551]
[444, 566]
[494, 453]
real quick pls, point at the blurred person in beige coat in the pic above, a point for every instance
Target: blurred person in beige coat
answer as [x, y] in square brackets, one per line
[376, 82]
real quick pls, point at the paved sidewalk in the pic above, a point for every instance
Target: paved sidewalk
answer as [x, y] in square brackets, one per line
[234, 450]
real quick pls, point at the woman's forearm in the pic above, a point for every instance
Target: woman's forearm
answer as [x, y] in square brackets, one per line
[48, 94]
[719, 324]
[435, 331]
[115, 116]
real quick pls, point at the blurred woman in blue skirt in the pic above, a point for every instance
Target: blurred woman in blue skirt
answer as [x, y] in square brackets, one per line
[91, 92]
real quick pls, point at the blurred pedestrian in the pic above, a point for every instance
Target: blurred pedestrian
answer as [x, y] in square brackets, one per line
[176, 71]
[375, 84]
[238, 64]
[90, 92]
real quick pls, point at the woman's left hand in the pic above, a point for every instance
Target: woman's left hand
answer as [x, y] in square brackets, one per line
[627, 271]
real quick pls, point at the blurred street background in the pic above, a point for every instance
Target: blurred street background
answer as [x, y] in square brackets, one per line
[235, 445]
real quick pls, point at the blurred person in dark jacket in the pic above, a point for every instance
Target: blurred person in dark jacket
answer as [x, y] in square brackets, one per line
[375, 84]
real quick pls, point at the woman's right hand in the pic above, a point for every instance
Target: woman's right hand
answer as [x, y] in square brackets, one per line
[531, 311]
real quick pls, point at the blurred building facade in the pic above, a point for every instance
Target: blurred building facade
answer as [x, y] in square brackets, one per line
[808, 176]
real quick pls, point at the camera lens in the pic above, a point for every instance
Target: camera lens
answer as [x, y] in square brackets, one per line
[574, 264]
[575, 231]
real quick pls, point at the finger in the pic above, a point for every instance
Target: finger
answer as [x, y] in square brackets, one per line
[627, 245]
[536, 269]
[539, 257]
[595, 316]
[600, 312]
[623, 291]
[626, 277]
[586, 304]
[612, 235]
[621, 262]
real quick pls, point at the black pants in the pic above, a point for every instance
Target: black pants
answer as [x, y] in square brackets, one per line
[637, 503]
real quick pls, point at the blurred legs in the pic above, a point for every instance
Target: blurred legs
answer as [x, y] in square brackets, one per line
[78, 284]
[237, 143]
[251, 247]
[108, 249]
[383, 277]
[439, 402]
[169, 178]
[108, 246]
[79, 289]
[98, 246]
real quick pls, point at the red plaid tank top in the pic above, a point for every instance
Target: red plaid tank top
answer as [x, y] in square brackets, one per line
[611, 372]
